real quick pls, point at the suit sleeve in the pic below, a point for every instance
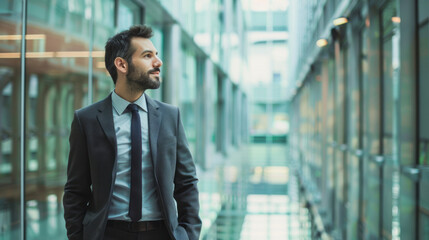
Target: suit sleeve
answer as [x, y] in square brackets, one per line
[77, 190]
[186, 191]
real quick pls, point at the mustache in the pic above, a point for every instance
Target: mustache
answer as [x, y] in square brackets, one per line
[154, 70]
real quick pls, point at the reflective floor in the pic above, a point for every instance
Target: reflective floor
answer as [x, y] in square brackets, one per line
[259, 197]
[269, 207]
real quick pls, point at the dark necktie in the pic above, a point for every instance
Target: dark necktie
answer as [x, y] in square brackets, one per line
[135, 208]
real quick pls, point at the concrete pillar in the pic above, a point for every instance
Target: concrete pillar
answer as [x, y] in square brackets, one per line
[201, 121]
[172, 68]
[222, 117]
[408, 118]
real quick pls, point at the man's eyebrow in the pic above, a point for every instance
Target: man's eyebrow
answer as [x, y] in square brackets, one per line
[148, 51]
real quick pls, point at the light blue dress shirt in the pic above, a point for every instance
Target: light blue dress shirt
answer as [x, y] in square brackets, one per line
[121, 190]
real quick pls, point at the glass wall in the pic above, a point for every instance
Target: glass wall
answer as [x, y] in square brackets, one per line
[65, 71]
[208, 27]
[58, 83]
[354, 132]
[187, 96]
[104, 27]
[10, 131]
[63, 39]
[379, 185]
[390, 60]
[423, 83]
[371, 138]
[158, 41]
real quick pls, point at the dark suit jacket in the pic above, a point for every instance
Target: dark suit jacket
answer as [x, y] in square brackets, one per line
[91, 171]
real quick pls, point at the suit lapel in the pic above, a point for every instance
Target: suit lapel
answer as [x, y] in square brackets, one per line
[154, 121]
[105, 118]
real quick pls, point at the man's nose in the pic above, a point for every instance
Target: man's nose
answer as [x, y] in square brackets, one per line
[158, 62]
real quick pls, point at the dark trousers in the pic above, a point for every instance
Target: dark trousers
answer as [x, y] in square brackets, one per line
[122, 232]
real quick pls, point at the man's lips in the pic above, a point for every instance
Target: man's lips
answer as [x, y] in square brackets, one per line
[155, 71]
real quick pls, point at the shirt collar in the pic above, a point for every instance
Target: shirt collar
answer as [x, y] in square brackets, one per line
[120, 104]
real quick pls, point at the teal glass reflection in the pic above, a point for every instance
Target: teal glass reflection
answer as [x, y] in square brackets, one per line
[353, 196]
[424, 97]
[391, 66]
[407, 208]
[10, 78]
[104, 28]
[57, 66]
[424, 204]
[187, 96]
[129, 13]
[158, 41]
[372, 201]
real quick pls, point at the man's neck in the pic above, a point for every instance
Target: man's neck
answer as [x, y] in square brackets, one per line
[130, 96]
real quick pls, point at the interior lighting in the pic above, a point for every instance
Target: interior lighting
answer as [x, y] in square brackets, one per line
[101, 65]
[61, 54]
[10, 55]
[322, 42]
[39, 54]
[396, 19]
[28, 37]
[72, 54]
[340, 21]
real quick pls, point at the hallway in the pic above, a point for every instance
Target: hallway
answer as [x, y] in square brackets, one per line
[268, 207]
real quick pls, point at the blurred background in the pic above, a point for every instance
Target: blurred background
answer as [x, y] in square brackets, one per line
[307, 119]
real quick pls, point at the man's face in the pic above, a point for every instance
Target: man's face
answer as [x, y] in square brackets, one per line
[144, 68]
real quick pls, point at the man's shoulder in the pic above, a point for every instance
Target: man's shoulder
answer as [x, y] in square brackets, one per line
[162, 105]
[166, 106]
[95, 107]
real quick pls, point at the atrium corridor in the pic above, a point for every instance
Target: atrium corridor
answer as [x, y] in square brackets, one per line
[263, 197]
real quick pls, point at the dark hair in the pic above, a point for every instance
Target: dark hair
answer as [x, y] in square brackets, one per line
[120, 46]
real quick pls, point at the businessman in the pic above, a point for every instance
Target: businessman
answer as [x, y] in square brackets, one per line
[130, 173]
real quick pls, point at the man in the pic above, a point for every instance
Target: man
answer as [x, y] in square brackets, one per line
[129, 163]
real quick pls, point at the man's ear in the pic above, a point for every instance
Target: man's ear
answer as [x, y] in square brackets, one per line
[121, 65]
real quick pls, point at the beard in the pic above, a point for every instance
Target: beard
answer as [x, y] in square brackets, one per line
[140, 81]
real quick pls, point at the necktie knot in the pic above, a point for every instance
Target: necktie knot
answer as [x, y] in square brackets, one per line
[133, 107]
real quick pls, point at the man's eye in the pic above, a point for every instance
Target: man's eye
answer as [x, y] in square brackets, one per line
[147, 56]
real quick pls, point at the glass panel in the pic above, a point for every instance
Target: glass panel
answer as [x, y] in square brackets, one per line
[340, 161]
[365, 108]
[187, 15]
[213, 105]
[129, 14]
[371, 129]
[57, 80]
[424, 97]
[187, 96]
[157, 40]
[104, 28]
[353, 197]
[170, 6]
[39, 10]
[340, 187]
[330, 125]
[388, 103]
[391, 61]
[10, 78]
[423, 124]
[353, 110]
[423, 8]
[208, 26]
[407, 209]
[372, 202]
[387, 196]
[424, 204]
